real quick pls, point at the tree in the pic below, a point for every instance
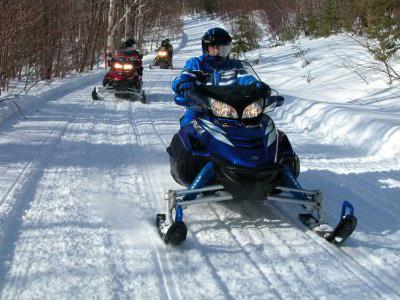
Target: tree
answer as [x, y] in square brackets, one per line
[246, 35]
[381, 32]
[111, 26]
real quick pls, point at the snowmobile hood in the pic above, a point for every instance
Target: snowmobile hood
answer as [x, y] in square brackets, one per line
[243, 145]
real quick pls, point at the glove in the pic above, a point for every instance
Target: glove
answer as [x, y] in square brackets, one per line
[262, 89]
[185, 86]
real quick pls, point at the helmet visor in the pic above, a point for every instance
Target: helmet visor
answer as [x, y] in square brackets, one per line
[221, 51]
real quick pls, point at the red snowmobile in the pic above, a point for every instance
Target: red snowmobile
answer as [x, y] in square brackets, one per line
[124, 79]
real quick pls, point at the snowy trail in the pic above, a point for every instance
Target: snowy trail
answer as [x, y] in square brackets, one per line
[82, 182]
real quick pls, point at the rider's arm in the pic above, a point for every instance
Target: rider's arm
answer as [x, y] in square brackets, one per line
[189, 75]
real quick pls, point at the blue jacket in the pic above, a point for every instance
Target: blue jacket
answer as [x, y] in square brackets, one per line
[211, 71]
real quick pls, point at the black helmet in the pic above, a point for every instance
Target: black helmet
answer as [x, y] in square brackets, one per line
[217, 37]
[128, 43]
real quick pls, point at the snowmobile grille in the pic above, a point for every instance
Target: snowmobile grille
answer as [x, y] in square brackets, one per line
[247, 143]
[269, 175]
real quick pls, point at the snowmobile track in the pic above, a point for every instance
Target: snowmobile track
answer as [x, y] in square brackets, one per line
[24, 170]
[170, 284]
[270, 277]
[338, 254]
[26, 179]
[168, 250]
[254, 233]
[116, 278]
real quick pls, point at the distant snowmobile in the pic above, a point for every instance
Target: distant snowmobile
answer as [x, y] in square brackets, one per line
[232, 150]
[163, 59]
[123, 79]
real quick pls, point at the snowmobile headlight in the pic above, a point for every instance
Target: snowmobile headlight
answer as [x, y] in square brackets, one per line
[253, 110]
[223, 110]
[127, 66]
[162, 53]
[118, 66]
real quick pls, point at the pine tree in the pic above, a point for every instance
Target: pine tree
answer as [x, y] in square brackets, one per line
[383, 31]
[330, 18]
[245, 37]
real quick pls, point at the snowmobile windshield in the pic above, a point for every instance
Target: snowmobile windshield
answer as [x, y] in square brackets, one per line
[229, 71]
[236, 102]
[248, 69]
[124, 59]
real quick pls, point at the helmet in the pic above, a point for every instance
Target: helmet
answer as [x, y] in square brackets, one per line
[167, 41]
[129, 43]
[217, 37]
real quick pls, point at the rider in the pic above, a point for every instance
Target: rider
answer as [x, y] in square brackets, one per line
[167, 45]
[128, 49]
[214, 67]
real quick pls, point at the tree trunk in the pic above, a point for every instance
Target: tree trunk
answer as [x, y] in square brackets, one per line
[140, 23]
[110, 26]
[128, 22]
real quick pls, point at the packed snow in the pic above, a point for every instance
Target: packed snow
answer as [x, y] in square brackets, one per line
[82, 180]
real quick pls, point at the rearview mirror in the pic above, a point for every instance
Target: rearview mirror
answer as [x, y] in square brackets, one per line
[278, 99]
[273, 101]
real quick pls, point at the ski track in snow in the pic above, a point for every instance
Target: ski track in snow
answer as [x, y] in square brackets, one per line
[82, 182]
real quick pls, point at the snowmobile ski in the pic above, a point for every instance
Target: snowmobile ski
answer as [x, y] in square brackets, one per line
[173, 231]
[173, 234]
[340, 233]
[130, 93]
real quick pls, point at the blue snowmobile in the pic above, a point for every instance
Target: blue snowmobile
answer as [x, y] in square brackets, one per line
[233, 150]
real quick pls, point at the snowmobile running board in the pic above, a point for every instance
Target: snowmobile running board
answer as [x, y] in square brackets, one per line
[173, 230]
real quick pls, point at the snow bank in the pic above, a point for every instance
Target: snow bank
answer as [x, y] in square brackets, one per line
[44, 92]
[346, 103]
[371, 132]
[337, 72]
